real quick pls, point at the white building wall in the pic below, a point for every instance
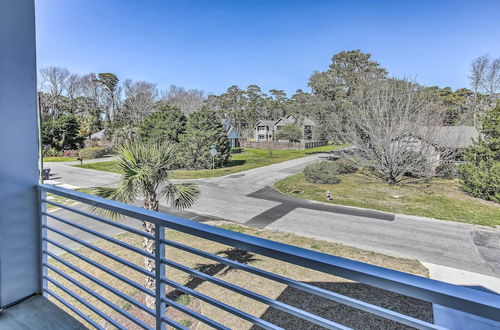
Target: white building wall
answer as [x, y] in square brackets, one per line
[19, 233]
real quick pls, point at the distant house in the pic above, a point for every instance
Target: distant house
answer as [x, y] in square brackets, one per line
[450, 141]
[266, 130]
[446, 142]
[232, 134]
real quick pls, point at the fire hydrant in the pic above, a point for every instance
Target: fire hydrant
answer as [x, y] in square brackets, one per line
[328, 195]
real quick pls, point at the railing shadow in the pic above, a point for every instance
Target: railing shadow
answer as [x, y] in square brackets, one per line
[212, 269]
[345, 315]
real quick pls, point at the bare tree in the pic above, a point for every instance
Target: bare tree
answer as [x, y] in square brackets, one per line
[392, 125]
[188, 100]
[73, 89]
[52, 81]
[140, 97]
[485, 78]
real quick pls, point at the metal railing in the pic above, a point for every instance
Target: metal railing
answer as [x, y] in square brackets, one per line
[468, 300]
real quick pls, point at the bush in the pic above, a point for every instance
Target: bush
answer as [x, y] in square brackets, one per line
[446, 171]
[51, 152]
[322, 172]
[92, 152]
[236, 150]
[345, 166]
[481, 182]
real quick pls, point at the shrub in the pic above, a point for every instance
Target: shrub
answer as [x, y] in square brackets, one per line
[446, 171]
[345, 166]
[70, 153]
[236, 150]
[483, 183]
[51, 152]
[322, 172]
[92, 152]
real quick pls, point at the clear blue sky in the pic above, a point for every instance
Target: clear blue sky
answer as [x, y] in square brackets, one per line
[211, 45]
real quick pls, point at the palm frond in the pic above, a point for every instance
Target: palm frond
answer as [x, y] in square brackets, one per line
[181, 196]
[120, 194]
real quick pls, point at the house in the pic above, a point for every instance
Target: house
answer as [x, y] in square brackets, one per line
[232, 134]
[266, 130]
[442, 144]
[450, 141]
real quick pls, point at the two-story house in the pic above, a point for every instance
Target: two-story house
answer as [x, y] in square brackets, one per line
[266, 130]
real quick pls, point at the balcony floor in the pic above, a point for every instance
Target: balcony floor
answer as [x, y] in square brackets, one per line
[37, 313]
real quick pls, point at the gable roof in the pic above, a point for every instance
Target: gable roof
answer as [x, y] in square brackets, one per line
[269, 123]
[452, 136]
[232, 133]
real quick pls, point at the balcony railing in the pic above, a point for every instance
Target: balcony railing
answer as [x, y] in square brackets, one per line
[464, 299]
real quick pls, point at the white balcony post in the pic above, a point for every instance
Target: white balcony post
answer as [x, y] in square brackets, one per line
[19, 226]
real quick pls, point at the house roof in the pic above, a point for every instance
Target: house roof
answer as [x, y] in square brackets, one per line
[97, 135]
[269, 123]
[232, 133]
[452, 136]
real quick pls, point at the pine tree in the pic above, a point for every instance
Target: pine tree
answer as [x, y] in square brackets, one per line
[203, 130]
[481, 175]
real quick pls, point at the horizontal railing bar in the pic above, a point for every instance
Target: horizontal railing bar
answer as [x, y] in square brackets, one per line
[173, 323]
[103, 236]
[101, 251]
[230, 309]
[84, 302]
[101, 219]
[73, 309]
[374, 309]
[461, 298]
[258, 297]
[99, 297]
[195, 315]
[102, 284]
[101, 267]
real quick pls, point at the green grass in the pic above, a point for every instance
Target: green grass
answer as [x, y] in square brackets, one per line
[248, 159]
[441, 199]
[58, 159]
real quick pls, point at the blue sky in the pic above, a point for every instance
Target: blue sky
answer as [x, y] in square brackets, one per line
[211, 45]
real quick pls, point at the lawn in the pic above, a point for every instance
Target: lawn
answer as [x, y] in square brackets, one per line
[248, 159]
[441, 199]
[58, 159]
[331, 310]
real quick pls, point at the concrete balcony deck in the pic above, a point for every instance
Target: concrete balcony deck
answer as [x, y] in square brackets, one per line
[37, 313]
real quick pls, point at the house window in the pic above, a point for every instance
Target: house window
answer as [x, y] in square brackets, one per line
[261, 128]
[262, 137]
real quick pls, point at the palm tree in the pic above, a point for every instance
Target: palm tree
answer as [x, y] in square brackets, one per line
[145, 174]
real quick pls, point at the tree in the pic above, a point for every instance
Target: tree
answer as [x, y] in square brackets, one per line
[291, 132]
[187, 100]
[391, 125]
[334, 88]
[110, 82]
[166, 124]
[485, 78]
[481, 174]
[140, 97]
[145, 174]
[204, 129]
[62, 133]
[53, 82]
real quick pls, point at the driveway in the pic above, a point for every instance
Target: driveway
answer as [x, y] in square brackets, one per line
[246, 197]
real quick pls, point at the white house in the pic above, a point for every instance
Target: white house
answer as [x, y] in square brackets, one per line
[266, 130]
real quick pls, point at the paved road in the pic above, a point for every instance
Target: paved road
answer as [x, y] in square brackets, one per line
[246, 197]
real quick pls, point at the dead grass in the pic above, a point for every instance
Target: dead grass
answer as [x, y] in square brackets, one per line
[342, 314]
